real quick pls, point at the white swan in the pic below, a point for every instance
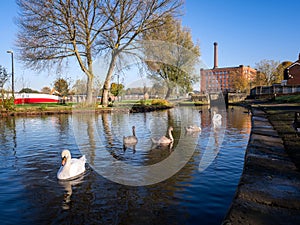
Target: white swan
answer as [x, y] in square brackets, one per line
[216, 117]
[217, 120]
[70, 168]
[193, 128]
[164, 139]
[130, 140]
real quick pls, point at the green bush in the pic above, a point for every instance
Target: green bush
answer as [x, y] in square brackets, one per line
[161, 102]
[43, 107]
[8, 104]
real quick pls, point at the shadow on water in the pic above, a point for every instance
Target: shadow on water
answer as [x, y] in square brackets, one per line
[30, 152]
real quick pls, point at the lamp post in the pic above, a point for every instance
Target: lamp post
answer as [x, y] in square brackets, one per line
[12, 73]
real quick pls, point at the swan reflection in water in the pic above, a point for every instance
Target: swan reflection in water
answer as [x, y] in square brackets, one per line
[68, 186]
[217, 120]
[125, 146]
[214, 142]
[162, 146]
[193, 130]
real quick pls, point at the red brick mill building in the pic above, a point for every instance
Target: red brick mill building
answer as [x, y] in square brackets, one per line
[220, 79]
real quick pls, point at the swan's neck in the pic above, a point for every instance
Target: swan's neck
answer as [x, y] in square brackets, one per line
[67, 164]
[133, 132]
[171, 136]
[65, 169]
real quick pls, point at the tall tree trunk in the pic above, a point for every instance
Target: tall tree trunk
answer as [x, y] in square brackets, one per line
[89, 98]
[90, 78]
[104, 99]
[169, 89]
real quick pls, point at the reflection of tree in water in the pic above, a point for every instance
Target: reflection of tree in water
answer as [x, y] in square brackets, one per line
[87, 134]
[62, 126]
[91, 138]
[239, 119]
[107, 130]
[63, 122]
[8, 139]
[109, 138]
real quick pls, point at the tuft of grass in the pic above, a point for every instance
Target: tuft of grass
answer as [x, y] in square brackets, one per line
[288, 99]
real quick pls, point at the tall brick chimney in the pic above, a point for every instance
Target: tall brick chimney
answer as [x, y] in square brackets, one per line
[215, 55]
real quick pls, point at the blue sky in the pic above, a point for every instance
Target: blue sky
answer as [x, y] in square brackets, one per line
[246, 31]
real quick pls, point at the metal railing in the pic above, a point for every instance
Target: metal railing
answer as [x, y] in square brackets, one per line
[275, 89]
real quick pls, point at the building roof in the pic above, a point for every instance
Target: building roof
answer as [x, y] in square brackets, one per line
[297, 63]
[229, 68]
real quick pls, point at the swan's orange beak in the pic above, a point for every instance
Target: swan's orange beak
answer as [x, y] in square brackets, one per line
[63, 161]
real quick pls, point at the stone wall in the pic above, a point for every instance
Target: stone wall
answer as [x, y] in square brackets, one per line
[236, 97]
[269, 189]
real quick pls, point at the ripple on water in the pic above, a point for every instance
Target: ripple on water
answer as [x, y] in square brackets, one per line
[30, 158]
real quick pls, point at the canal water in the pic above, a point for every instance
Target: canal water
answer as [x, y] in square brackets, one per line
[198, 189]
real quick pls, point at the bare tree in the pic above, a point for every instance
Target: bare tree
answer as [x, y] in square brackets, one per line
[54, 30]
[130, 19]
[3, 76]
[79, 88]
[269, 68]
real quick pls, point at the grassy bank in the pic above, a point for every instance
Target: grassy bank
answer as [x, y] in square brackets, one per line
[55, 108]
[37, 109]
[287, 99]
